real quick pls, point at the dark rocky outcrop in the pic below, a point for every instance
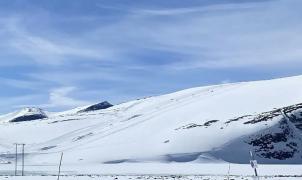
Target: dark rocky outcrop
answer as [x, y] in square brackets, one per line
[279, 145]
[193, 125]
[95, 107]
[29, 118]
[267, 116]
[29, 114]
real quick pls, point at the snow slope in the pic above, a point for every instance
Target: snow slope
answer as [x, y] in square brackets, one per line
[211, 124]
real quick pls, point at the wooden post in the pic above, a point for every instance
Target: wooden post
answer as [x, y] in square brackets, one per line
[60, 166]
[254, 163]
[229, 171]
[256, 173]
[16, 159]
[23, 159]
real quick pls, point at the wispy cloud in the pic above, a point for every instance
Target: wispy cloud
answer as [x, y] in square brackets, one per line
[198, 10]
[60, 98]
[133, 49]
[18, 83]
[46, 50]
[16, 102]
[215, 36]
[218, 36]
[173, 11]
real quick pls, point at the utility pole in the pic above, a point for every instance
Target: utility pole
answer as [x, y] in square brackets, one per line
[60, 166]
[23, 159]
[16, 159]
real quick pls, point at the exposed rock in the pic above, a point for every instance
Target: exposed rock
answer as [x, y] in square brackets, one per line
[193, 125]
[29, 118]
[276, 145]
[95, 107]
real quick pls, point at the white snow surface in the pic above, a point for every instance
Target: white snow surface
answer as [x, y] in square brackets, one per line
[154, 131]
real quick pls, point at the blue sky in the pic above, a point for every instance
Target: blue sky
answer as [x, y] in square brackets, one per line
[61, 54]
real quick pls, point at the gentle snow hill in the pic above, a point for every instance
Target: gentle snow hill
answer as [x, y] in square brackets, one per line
[205, 124]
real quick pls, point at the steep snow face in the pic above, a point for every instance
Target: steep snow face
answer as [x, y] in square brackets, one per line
[205, 124]
[25, 114]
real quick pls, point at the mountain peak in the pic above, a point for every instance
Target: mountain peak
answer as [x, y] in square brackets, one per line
[28, 114]
[95, 107]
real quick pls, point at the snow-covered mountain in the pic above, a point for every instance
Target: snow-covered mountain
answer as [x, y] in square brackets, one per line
[205, 124]
[25, 114]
